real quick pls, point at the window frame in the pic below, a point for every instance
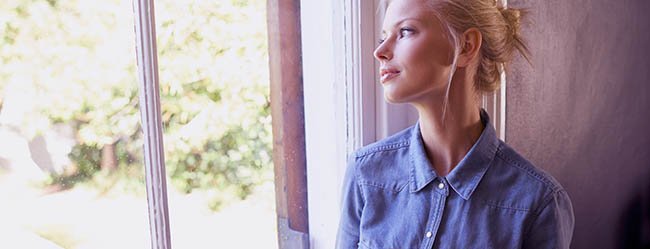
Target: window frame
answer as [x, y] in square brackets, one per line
[288, 121]
[326, 130]
[150, 115]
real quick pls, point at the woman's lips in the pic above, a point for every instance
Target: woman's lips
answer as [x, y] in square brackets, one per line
[388, 74]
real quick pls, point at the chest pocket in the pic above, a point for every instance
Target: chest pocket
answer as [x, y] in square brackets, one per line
[394, 217]
[371, 244]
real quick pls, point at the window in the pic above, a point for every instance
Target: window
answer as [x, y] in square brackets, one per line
[69, 90]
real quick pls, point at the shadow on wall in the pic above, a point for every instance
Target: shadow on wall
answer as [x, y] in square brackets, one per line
[634, 232]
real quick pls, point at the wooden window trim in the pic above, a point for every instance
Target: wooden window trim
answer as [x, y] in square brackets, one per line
[288, 121]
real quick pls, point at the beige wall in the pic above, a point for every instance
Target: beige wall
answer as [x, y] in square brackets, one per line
[582, 112]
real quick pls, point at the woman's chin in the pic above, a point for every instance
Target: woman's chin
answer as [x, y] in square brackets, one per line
[396, 93]
[393, 98]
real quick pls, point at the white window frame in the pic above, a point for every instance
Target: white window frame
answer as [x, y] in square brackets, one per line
[344, 106]
[154, 159]
[325, 115]
[495, 104]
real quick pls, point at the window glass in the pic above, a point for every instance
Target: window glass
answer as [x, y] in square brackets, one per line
[71, 172]
[213, 68]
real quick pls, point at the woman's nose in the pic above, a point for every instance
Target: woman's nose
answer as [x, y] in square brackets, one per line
[383, 51]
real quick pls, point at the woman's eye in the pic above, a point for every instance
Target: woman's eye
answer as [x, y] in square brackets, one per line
[403, 32]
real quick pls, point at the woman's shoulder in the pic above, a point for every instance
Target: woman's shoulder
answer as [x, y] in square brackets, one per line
[396, 141]
[512, 181]
[515, 161]
[384, 164]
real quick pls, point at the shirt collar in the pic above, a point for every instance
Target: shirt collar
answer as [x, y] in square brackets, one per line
[465, 177]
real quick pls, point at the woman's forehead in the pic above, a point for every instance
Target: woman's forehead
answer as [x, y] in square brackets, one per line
[399, 11]
[407, 3]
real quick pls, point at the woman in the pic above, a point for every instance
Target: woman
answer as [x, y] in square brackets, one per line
[448, 181]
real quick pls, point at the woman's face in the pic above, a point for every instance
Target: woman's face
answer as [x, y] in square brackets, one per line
[414, 54]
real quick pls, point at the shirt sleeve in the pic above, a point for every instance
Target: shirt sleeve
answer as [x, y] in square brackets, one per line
[351, 209]
[553, 226]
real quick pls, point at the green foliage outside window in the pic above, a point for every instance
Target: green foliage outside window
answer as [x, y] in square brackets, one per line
[78, 59]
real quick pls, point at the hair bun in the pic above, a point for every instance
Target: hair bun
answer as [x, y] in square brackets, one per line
[512, 18]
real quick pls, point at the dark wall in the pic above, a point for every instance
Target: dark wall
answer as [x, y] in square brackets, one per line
[582, 112]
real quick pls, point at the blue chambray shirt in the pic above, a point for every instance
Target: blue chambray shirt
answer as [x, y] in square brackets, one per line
[494, 198]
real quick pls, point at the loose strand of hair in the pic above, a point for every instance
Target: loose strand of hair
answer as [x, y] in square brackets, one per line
[454, 41]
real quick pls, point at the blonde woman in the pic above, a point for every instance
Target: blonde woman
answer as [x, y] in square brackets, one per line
[448, 181]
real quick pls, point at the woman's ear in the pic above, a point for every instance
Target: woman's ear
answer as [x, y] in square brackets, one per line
[471, 45]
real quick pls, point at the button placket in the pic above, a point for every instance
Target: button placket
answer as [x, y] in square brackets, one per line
[440, 194]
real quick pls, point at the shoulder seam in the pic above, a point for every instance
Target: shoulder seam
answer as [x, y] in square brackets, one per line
[497, 205]
[553, 187]
[547, 200]
[382, 186]
[357, 180]
[374, 149]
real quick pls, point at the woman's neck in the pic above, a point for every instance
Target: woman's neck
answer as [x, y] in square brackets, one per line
[447, 140]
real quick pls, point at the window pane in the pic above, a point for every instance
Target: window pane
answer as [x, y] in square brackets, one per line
[71, 172]
[213, 70]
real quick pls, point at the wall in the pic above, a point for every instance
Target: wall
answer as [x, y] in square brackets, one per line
[582, 112]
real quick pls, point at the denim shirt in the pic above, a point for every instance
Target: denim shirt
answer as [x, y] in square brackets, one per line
[493, 198]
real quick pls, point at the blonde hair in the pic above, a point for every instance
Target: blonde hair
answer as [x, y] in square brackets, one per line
[500, 31]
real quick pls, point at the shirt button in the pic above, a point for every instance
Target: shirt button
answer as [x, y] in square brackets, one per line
[441, 185]
[429, 234]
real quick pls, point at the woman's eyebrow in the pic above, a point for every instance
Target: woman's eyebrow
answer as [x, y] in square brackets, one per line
[383, 31]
